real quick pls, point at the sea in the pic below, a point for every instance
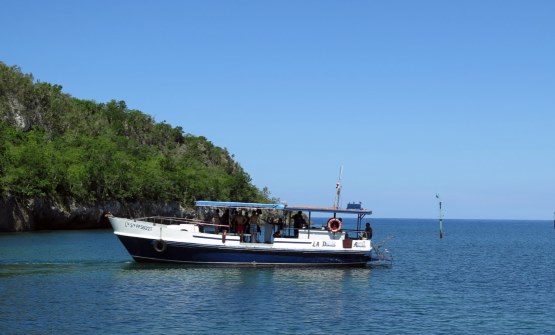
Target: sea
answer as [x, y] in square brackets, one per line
[482, 277]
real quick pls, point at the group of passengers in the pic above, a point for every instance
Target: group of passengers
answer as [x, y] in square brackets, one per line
[248, 227]
[239, 222]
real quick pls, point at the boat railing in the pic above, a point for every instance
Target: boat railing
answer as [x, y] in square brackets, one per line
[287, 232]
[167, 220]
[176, 221]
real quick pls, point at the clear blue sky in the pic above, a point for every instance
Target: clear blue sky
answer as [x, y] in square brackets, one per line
[412, 98]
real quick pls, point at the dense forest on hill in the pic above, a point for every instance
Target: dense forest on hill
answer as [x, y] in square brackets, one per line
[52, 144]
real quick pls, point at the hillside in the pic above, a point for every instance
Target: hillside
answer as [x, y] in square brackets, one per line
[75, 153]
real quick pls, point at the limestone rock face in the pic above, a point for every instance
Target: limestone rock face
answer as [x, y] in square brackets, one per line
[27, 214]
[16, 113]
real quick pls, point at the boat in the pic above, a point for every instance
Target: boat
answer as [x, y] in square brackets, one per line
[287, 236]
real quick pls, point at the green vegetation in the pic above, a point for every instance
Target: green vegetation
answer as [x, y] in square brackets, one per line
[52, 144]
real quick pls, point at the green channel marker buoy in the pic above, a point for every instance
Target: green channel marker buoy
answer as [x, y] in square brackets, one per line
[440, 218]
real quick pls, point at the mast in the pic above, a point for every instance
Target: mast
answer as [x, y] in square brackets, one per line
[338, 189]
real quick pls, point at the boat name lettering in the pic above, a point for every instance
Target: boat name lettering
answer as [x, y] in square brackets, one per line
[359, 244]
[328, 244]
[315, 244]
[137, 226]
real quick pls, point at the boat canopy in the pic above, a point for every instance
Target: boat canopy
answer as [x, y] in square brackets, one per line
[327, 210]
[238, 204]
[226, 204]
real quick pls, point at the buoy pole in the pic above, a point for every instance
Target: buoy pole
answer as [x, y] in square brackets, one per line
[440, 218]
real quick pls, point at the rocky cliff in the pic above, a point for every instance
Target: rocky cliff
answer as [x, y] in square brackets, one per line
[25, 214]
[65, 161]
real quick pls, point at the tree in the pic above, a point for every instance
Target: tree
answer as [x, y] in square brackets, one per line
[101, 151]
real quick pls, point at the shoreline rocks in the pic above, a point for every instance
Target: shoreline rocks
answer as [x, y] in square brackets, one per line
[18, 214]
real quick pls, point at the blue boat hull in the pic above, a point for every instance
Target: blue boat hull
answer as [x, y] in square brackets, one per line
[149, 250]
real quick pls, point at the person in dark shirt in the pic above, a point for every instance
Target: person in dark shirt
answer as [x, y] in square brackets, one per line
[298, 222]
[225, 221]
[368, 231]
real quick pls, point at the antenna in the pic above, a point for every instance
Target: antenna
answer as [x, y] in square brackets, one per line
[440, 218]
[338, 189]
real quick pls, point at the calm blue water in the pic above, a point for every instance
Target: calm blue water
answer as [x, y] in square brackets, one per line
[484, 277]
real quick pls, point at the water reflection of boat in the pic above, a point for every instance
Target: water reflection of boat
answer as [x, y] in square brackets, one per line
[286, 236]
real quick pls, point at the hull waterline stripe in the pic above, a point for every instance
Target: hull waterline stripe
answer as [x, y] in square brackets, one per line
[249, 263]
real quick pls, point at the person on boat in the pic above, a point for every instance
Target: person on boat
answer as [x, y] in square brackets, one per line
[247, 228]
[253, 222]
[280, 226]
[258, 224]
[234, 214]
[368, 231]
[216, 221]
[225, 220]
[298, 222]
[239, 223]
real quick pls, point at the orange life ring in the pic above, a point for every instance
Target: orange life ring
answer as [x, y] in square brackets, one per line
[334, 225]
